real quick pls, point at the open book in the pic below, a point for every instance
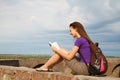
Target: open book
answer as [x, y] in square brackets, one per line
[55, 44]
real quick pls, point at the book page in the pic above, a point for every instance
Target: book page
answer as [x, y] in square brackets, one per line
[55, 44]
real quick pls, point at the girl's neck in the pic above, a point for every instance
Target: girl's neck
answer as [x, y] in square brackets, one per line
[78, 36]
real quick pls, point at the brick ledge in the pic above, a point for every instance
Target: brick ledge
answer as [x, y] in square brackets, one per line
[24, 73]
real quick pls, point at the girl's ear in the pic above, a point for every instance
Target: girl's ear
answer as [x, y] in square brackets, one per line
[76, 30]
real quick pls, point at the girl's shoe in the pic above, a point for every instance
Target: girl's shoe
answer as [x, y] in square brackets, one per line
[43, 70]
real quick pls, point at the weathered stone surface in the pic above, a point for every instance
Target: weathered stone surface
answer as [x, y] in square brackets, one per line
[24, 73]
[62, 71]
[112, 62]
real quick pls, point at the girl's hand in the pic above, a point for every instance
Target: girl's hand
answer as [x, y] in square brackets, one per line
[54, 49]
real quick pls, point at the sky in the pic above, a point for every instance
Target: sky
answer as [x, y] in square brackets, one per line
[26, 26]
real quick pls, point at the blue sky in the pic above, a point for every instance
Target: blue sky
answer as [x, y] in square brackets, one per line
[26, 26]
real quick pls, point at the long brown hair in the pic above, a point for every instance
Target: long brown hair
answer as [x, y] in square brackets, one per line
[80, 29]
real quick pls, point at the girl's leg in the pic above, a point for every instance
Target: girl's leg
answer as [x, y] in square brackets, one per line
[53, 61]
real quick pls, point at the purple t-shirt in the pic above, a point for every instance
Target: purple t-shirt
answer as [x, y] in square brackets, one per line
[84, 49]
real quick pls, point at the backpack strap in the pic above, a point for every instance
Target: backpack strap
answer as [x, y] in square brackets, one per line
[84, 60]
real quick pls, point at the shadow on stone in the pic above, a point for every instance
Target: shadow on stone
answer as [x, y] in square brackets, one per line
[37, 66]
[10, 62]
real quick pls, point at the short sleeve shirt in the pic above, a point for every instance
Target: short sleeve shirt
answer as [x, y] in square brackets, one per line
[84, 49]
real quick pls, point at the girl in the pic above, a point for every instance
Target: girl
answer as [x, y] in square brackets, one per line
[81, 46]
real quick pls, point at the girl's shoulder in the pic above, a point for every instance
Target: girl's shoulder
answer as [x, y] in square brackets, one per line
[81, 39]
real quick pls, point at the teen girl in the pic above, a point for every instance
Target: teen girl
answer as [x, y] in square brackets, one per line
[81, 46]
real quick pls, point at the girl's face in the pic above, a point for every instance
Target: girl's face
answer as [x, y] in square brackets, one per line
[73, 31]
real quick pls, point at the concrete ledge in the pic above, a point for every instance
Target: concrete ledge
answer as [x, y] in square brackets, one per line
[24, 73]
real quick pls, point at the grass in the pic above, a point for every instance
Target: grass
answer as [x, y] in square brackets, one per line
[25, 57]
[30, 57]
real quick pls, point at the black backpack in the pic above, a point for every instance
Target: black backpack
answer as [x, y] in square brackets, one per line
[98, 64]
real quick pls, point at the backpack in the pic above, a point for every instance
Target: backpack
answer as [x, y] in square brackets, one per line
[98, 64]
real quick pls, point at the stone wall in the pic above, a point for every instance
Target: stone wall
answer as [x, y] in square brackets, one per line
[23, 70]
[23, 73]
[112, 62]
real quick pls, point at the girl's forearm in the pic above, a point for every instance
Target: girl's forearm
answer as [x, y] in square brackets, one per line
[64, 54]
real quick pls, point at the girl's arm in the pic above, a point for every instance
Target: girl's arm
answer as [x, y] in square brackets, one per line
[65, 54]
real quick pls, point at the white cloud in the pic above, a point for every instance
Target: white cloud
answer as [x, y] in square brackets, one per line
[114, 27]
[107, 5]
[29, 16]
[26, 20]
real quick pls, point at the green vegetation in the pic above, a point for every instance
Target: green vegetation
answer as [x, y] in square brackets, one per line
[31, 57]
[25, 57]
[113, 56]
